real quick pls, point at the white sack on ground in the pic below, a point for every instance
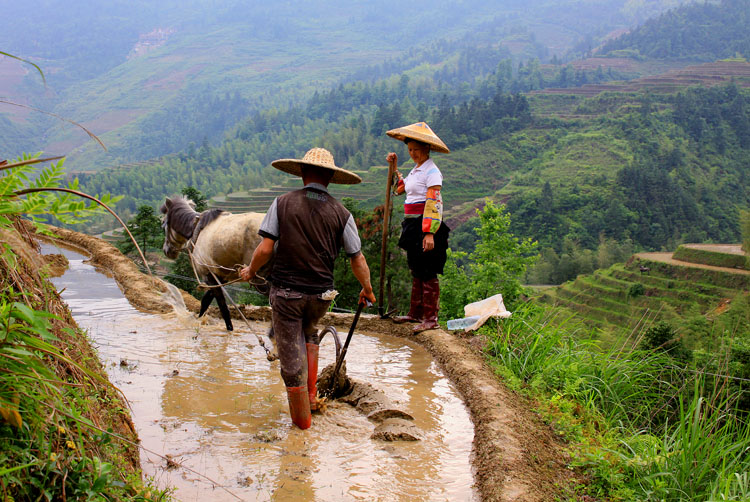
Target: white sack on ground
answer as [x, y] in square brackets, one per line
[489, 307]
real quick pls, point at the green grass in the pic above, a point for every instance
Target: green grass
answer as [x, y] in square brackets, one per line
[714, 258]
[639, 426]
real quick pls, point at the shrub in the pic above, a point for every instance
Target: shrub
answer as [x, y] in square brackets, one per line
[636, 290]
[495, 266]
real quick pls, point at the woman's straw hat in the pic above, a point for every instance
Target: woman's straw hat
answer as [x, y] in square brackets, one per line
[420, 132]
[319, 157]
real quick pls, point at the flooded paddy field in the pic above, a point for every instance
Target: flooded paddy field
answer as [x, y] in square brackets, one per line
[213, 420]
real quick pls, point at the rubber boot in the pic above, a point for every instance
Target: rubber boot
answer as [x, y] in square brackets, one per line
[431, 305]
[415, 308]
[312, 374]
[299, 406]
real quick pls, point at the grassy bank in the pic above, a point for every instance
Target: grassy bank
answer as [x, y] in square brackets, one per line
[709, 257]
[642, 424]
[65, 431]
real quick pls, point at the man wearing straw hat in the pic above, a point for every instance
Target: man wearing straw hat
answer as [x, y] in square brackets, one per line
[424, 235]
[307, 227]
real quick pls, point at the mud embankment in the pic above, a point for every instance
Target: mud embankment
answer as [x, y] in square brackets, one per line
[99, 407]
[144, 292]
[516, 457]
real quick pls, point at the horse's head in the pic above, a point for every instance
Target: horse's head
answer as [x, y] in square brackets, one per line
[178, 224]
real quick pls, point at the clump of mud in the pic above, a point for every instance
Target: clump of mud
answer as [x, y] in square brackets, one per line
[56, 264]
[341, 387]
[393, 424]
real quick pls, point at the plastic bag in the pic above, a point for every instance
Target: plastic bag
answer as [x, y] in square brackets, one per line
[489, 307]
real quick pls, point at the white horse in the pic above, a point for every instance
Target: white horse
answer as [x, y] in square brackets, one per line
[219, 243]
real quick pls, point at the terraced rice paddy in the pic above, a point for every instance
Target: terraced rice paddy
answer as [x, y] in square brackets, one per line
[623, 297]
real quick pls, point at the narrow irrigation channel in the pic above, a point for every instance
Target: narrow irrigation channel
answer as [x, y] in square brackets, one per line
[210, 410]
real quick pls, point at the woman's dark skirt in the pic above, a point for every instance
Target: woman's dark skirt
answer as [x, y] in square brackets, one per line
[423, 265]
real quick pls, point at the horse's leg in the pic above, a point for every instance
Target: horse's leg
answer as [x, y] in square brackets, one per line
[224, 310]
[206, 301]
[220, 300]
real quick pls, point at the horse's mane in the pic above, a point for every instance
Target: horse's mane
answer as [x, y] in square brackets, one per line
[207, 217]
[181, 215]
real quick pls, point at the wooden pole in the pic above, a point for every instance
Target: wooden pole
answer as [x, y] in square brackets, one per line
[386, 228]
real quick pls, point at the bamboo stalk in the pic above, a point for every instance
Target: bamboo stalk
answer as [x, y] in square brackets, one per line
[386, 228]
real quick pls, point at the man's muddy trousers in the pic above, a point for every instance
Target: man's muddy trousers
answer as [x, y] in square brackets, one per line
[295, 319]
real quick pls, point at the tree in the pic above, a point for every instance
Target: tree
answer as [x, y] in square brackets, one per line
[496, 265]
[146, 229]
[201, 203]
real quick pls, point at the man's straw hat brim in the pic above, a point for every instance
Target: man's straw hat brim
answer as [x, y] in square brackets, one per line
[319, 157]
[420, 132]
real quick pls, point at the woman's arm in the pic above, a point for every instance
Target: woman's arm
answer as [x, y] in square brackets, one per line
[432, 217]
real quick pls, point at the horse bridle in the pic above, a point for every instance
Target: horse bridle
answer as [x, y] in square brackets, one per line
[175, 238]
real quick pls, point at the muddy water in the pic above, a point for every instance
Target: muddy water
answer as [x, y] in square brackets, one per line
[209, 401]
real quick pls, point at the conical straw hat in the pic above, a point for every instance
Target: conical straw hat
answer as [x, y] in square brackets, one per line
[319, 157]
[420, 132]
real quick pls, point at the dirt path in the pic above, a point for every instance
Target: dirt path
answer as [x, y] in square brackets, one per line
[667, 258]
[718, 248]
[516, 457]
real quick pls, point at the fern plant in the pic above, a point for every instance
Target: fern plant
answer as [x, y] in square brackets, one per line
[25, 190]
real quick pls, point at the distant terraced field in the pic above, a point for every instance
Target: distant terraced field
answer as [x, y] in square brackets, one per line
[258, 199]
[708, 74]
[626, 298]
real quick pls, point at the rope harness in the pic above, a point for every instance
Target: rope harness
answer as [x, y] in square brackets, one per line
[269, 355]
[260, 285]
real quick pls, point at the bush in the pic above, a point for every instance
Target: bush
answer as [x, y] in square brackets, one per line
[636, 290]
[495, 266]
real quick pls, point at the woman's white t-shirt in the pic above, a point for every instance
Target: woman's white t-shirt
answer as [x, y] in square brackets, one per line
[420, 179]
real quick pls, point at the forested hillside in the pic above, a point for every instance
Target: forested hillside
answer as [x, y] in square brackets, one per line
[591, 178]
[350, 121]
[140, 74]
[701, 31]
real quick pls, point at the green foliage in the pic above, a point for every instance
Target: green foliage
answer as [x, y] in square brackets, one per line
[710, 257]
[745, 230]
[201, 203]
[632, 427]
[146, 229]
[574, 260]
[496, 265]
[662, 336]
[636, 290]
[64, 206]
[625, 176]
[50, 448]
[700, 456]
[704, 31]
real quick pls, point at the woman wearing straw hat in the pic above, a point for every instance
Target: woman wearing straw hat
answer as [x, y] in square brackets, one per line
[307, 227]
[424, 235]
